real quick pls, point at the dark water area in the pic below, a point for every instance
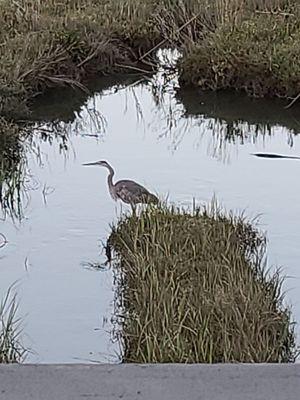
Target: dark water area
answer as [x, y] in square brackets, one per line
[184, 145]
[232, 107]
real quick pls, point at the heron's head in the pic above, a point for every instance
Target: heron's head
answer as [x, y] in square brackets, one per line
[100, 163]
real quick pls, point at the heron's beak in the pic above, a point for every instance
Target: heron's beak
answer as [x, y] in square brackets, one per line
[91, 163]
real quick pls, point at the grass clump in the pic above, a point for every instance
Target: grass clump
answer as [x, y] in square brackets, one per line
[252, 48]
[194, 288]
[11, 350]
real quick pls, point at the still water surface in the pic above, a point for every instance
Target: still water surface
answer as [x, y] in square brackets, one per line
[185, 146]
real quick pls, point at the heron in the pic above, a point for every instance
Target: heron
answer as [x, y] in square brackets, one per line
[126, 190]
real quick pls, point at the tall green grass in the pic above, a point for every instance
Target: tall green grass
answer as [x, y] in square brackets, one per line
[195, 287]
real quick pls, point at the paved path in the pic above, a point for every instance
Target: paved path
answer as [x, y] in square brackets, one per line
[150, 382]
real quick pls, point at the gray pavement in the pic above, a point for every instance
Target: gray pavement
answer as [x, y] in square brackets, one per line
[150, 382]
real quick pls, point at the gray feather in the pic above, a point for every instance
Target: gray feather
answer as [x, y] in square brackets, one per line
[133, 193]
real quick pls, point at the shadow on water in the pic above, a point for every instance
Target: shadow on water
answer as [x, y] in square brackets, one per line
[231, 108]
[236, 118]
[65, 104]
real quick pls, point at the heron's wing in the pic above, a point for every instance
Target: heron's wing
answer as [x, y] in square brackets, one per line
[131, 192]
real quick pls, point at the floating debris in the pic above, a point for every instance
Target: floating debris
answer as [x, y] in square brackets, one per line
[271, 155]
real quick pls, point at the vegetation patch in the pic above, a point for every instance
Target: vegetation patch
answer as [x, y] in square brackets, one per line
[12, 168]
[11, 350]
[260, 55]
[55, 43]
[193, 287]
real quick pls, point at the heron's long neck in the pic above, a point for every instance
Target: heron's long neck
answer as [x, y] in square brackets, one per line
[110, 177]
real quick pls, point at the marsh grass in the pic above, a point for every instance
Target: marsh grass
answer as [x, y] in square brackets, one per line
[54, 43]
[12, 169]
[195, 287]
[11, 350]
[254, 47]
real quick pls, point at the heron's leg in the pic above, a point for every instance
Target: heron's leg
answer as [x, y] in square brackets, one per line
[140, 208]
[108, 251]
[133, 208]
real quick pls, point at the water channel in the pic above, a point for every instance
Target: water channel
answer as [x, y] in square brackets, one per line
[184, 145]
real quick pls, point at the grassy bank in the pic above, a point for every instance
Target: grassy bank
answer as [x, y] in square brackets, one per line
[255, 49]
[11, 350]
[194, 287]
[54, 43]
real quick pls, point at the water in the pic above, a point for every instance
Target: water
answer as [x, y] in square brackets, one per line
[183, 146]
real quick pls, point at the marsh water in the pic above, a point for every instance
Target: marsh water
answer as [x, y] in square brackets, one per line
[187, 146]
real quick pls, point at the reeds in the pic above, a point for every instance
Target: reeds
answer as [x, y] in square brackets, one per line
[195, 287]
[12, 169]
[11, 350]
[254, 48]
[54, 43]
[58, 43]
